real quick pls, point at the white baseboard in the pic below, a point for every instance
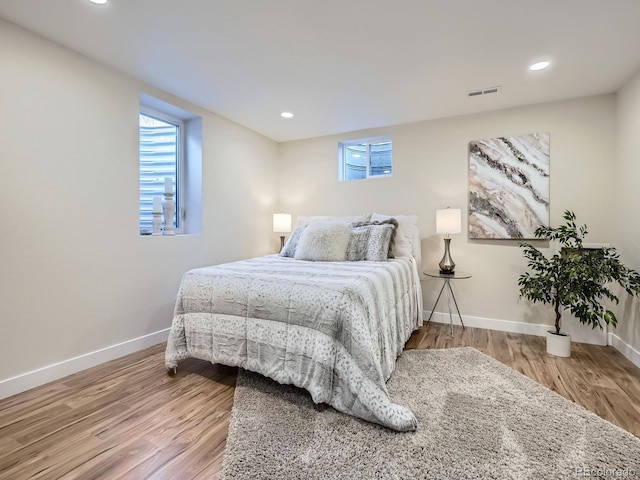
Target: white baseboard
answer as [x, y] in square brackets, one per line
[491, 324]
[528, 329]
[624, 348]
[35, 378]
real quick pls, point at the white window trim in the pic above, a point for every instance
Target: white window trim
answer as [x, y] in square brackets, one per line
[369, 140]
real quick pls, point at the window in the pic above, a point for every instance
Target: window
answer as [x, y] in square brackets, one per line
[160, 155]
[170, 147]
[368, 158]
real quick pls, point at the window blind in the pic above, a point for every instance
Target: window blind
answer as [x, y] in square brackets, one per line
[158, 160]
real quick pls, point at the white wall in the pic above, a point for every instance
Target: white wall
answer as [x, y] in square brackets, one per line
[75, 275]
[430, 164]
[627, 202]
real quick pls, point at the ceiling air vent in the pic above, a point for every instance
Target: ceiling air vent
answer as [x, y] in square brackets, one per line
[484, 91]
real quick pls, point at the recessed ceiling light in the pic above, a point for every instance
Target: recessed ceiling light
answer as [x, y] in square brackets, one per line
[539, 66]
[286, 115]
[99, 2]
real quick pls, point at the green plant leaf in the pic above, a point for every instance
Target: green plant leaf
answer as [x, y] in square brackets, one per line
[576, 278]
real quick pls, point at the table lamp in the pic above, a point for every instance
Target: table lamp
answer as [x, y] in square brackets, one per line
[448, 221]
[281, 225]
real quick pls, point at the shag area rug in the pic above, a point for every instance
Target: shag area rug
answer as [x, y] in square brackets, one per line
[477, 418]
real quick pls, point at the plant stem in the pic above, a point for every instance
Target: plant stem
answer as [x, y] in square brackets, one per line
[558, 315]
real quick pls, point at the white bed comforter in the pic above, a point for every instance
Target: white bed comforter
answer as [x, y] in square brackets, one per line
[332, 328]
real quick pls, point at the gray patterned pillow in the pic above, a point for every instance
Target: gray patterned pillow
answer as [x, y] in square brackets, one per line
[357, 246]
[391, 221]
[289, 249]
[369, 242]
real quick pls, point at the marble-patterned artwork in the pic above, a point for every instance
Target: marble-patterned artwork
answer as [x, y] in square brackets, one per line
[508, 186]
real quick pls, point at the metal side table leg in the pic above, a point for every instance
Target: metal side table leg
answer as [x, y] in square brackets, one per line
[456, 304]
[449, 293]
[433, 309]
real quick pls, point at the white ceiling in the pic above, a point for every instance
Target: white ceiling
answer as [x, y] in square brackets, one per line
[343, 65]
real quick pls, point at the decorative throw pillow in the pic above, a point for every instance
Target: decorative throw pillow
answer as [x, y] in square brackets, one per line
[370, 242]
[378, 242]
[289, 249]
[391, 221]
[323, 242]
[357, 246]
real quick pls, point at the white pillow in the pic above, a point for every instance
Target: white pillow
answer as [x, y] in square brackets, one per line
[305, 220]
[324, 242]
[405, 235]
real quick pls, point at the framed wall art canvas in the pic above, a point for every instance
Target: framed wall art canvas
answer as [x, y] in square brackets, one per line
[508, 186]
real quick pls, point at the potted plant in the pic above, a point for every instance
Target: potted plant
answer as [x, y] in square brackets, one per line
[576, 278]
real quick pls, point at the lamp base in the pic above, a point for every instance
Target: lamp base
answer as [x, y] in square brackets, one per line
[447, 265]
[281, 242]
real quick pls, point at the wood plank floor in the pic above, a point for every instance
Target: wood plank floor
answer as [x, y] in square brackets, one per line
[129, 419]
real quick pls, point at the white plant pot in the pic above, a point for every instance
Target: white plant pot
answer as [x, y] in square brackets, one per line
[558, 345]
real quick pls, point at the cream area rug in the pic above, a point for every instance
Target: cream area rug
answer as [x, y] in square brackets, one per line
[477, 418]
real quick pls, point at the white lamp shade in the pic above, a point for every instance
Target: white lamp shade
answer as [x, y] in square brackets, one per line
[448, 220]
[282, 222]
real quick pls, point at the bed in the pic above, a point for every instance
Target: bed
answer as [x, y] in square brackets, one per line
[334, 328]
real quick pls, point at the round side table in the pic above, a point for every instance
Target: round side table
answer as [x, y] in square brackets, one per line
[447, 277]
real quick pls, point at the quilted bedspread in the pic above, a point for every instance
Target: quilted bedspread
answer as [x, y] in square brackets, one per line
[332, 328]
